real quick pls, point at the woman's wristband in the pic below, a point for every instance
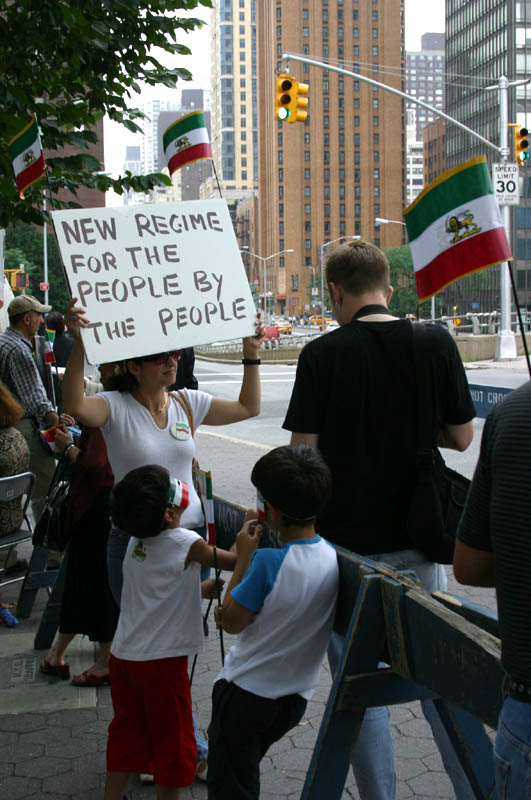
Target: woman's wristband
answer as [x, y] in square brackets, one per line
[251, 362]
[68, 448]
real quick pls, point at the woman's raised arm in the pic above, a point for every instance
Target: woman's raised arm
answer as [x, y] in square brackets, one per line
[92, 411]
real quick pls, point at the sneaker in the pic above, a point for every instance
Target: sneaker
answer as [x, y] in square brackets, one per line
[202, 770]
[147, 779]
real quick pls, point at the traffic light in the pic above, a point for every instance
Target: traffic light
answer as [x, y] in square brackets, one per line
[291, 99]
[521, 144]
[285, 92]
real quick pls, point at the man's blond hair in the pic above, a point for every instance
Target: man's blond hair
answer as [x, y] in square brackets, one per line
[358, 268]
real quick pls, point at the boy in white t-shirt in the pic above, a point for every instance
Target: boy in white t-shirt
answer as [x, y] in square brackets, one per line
[282, 603]
[160, 625]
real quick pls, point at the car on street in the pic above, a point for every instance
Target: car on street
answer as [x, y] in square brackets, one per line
[283, 325]
[332, 326]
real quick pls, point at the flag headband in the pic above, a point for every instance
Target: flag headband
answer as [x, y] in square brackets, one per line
[178, 494]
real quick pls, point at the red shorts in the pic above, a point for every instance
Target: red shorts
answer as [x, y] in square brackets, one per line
[152, 730]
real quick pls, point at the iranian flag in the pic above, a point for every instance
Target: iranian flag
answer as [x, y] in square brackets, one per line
[26, 153]
[49, 355]
[186, 140]
[455, 228]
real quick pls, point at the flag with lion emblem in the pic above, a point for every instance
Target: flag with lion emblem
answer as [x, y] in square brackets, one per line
[26, 154]
[455, 227]
[186, 140]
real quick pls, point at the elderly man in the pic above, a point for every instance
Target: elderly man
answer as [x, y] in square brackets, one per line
[355, 399]
[18, 371]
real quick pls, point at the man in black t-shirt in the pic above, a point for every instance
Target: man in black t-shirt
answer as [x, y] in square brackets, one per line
[494, 549]
[355, 398]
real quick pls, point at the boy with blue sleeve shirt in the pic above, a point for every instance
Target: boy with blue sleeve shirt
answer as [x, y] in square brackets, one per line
[282, 603]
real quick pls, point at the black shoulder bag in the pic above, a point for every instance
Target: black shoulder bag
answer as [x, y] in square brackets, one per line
[50, 529]
[439, 495]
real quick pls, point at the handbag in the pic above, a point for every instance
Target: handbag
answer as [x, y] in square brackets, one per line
[51, 530]
[439, 494]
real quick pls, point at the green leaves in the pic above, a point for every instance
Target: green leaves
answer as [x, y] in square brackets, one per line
[71, 62]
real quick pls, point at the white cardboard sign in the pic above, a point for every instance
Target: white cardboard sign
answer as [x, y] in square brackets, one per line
[155, 277]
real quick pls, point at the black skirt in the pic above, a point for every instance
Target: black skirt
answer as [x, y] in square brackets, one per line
[88, 606]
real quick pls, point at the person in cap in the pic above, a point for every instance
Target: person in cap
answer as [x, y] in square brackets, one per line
[19, 372]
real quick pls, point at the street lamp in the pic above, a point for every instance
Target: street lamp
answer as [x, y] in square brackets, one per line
[323, 248]
[264, 260]
[382, 221]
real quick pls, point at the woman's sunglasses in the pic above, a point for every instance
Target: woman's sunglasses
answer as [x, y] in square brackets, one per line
[163, 358]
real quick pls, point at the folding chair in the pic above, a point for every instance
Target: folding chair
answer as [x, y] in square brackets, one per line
[10, 488]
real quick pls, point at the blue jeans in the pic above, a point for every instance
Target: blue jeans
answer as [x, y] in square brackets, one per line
[116, 547]
[373, 759]
[512, 751]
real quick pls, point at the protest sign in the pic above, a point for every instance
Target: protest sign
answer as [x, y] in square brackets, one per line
[155, 277]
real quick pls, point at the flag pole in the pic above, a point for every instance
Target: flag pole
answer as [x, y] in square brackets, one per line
[520, 320]
[216, 176]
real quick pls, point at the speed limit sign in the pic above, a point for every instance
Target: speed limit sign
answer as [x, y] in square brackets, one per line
[505, 180]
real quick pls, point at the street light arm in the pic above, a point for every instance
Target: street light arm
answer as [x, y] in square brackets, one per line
[324, 65]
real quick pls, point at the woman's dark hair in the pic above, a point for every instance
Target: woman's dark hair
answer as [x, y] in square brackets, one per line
[296, 480]
[139, 500]
[124, 381]
[55, 322]
[10, 409]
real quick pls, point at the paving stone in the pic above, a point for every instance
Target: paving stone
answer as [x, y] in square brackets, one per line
[434, 762]
[19, 723]
[18, 788]
[105, 712]
[8, 737]
[409, 768]
[72, 748]
[14, 753]
[409, 747]
[400, 714]
[416, 727]
[98, 728]
[43, 767]
[71, 783]
[432, 784]
[89, 763]
[72, 717]
[403, 791]
[6, 770]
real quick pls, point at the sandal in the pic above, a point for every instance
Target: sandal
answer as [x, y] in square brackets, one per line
[59, 670]
[88, 678]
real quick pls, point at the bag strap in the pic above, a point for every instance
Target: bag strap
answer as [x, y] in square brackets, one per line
[183, 401]
[425, 396]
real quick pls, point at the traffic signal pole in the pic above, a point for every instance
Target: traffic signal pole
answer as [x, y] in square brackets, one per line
[506, 344]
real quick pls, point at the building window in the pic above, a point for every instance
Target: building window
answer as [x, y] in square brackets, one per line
[307, 226]
[281, 262]
[356, 121]
[355, 33]
[376, 121]
[281, 193]
[376, 174]
[327, 209]
[357, 159]
[357, 193]
[305, 32]
[281, 209]
[326, 121]
[341, 209]
[306, 155]
[357, 210]
[326, 157]
[342, 228]
[307, 191]
[341, 192]
[341, 156]
[341, 139]
[357, 140]
[306, 137]
[307, 208]
[326, 105]
[326, 175]
[306, 173]
[375, 51]
[325, 87]
[342, 176]
[281, 228]
[307, 244]
[375, 33]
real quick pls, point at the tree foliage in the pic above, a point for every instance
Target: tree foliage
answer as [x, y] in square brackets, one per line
[71, 62]
[24, 245]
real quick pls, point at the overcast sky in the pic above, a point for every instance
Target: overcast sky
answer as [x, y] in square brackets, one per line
[421, 16]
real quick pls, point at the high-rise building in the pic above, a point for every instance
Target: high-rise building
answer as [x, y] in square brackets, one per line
[234, 100]
[486, 39]
[425, 78]
[132, 164]
[151, 161]
[328, 178]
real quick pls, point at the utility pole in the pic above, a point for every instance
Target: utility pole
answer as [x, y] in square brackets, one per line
[506, 345]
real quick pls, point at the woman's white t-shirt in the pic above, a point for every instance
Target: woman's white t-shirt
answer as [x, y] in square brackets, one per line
[133, 440]
[160, 614]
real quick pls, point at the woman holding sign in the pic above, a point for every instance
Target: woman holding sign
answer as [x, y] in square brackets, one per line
[143, 424]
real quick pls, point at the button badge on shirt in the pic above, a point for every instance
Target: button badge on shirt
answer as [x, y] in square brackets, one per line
[180, 431]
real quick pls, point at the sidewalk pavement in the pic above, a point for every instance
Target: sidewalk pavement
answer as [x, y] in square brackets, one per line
[53, 735]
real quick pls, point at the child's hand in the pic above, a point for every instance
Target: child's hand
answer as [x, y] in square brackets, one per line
[250, 515]
[209, 590]
[248, 538]
[218, 617]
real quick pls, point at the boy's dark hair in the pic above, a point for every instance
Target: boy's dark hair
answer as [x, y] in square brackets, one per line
[296, 480]
[139, 500]
[55, 322]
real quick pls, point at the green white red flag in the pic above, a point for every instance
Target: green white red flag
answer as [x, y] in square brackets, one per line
[207, 499]
[49, 355]
[186, 140]
[455, 227]
[26, 154]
